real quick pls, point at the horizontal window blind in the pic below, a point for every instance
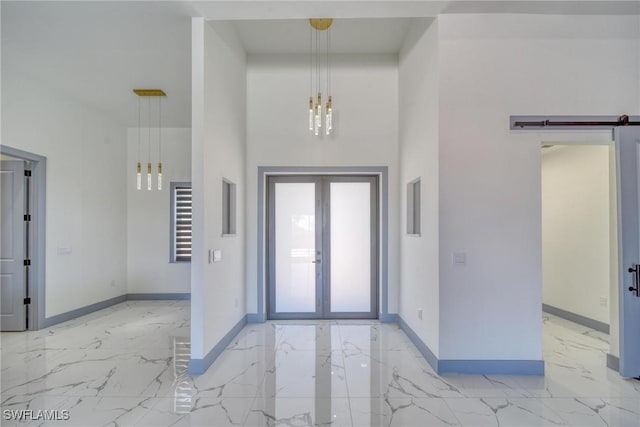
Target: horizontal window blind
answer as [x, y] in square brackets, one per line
[182, 223]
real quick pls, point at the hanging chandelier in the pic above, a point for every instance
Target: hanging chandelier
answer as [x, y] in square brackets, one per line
[317, 27]
[158, 94]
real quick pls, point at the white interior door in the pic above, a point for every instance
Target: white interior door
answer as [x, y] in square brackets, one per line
[628, 159]
[12, 249]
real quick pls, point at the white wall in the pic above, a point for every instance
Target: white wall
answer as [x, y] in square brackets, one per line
[492, 66]
[365, 96]
[418, 113]
[575, 229]
[149, 216]
[86, 194]
[218, 151]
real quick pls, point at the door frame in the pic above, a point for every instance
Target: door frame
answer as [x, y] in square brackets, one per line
[382, 172]
[322, 184]
[37, 204]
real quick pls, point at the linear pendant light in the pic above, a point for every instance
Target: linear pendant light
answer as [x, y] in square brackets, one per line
[319, 25]
[149, 93]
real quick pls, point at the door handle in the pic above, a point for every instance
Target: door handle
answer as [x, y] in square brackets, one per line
[635, 270]
[316, 261]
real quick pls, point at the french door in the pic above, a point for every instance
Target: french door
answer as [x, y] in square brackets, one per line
[322, 248]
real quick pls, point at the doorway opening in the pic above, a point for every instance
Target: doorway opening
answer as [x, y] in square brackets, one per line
[322, 246]
[23, 244]
[579, 257]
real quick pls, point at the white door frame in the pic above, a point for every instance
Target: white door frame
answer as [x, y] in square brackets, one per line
[37, 203]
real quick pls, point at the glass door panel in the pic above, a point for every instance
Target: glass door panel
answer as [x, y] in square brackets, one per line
[294, 244]
[350, 246]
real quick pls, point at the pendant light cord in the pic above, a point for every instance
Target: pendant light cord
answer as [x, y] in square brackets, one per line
[311, 60]
[317, 62]
[139, 129]
[159, 129]
[328, 63]
[149, 127]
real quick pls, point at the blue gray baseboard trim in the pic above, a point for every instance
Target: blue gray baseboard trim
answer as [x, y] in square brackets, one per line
[576, 318]
[420, 345]
[472, 367]
[88, 309]
[200, 366]
[388, 317]
[161, 297]
[256, 318]
[491, 367]
[613, 362]
[82, 311]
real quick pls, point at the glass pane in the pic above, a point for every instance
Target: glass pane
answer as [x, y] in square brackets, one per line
[295, 240]
[350, 247]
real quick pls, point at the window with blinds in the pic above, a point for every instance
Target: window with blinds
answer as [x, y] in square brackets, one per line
[181, 215]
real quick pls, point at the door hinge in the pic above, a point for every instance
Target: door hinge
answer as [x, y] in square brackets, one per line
[27, 217]
[27, 301]
[27, 172]
[27, 262]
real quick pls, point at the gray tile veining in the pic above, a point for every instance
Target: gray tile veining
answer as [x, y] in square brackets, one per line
[127, 366]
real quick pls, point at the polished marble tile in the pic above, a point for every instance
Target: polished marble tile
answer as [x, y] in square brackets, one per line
[318, 411]
[127, 366]
[401, 411]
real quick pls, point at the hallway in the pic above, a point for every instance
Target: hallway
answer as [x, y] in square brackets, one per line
[123, 366]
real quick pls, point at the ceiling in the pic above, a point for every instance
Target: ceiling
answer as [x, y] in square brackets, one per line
[377, 35]
[97, 52]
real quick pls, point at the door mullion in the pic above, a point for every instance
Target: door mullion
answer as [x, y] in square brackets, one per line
[326, 246]
[320, 258]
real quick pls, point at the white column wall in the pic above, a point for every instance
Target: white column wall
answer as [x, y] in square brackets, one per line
[218, 151]
[492, 66]
[418, 130]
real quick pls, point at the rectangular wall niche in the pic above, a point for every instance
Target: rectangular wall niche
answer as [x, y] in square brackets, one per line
[413, 207]
[228, 208]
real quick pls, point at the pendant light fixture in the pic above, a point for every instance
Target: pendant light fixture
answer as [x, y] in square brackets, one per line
[318, 26]
[149, 93]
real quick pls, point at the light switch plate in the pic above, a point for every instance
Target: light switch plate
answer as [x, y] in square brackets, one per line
[217, 255]
[64, 250]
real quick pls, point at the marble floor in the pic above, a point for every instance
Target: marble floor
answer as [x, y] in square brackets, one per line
[126, 366]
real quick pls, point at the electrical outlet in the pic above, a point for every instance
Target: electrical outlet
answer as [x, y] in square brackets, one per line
[113, 283]
[236, 302]
[420, 313]
[604, 301]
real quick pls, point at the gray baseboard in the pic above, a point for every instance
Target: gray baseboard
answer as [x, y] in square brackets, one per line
[256, 318]
[613, 362]
[420, 345]
[200, 366]
[576, 318]
[88, 309]
[82, 311]
[388, 317]
[160, 297]
[472, 367]
[491, 367]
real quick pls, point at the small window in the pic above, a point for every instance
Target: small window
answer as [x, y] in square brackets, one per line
[413, 207]
[228, 207]
[181, 219]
